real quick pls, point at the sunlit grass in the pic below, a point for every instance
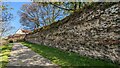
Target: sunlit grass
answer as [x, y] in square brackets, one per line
[64, 58]
[4, 54]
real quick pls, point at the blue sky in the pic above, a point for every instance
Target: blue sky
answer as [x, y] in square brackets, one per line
[15, 21]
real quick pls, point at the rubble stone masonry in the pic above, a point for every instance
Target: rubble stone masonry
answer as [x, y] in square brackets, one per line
[92, 33]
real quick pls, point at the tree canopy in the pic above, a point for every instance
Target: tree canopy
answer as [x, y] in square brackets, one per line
[36, 15]
[6, 17]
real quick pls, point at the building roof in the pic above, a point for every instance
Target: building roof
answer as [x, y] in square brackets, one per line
[26, 31]
[19, 33]
[22, 31]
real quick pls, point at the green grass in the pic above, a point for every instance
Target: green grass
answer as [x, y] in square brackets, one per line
[4, 54]
[63, 58]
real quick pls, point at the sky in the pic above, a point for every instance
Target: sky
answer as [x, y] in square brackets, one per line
[16, 5]
[16, 0]
[15, 21]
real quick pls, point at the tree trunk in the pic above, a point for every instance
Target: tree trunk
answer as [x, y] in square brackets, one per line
[37, 25]
[75, 6]
[79, 4]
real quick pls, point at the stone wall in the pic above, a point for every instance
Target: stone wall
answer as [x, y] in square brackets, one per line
[91, 33]
[16, 37]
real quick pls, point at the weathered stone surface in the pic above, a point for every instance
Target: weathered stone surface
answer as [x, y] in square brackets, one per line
[23, 56]
[92, 33]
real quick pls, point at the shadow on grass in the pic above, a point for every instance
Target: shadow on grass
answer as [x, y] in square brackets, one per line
[63, 58]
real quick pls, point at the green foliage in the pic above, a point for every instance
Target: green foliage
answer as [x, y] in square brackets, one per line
[46, 27]
[4, 54]
[68, 6]
[63, 58]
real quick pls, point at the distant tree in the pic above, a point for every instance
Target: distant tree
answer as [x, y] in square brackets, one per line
[68, 6]
[5, 29]
[39, 14]
[6, 17]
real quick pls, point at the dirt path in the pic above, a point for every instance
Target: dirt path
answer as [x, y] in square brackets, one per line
[23, 56]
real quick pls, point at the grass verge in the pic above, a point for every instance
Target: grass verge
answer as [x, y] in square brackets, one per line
[4, 54]
[63, 58]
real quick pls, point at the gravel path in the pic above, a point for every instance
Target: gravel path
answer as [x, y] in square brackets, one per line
[23, 56]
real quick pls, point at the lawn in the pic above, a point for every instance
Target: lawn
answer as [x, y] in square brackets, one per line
[4, 54]
[63, 58]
